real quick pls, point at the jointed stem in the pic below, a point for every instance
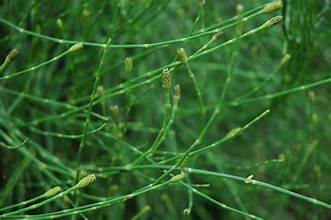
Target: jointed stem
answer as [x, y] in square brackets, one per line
[88, 117]
[197, 89]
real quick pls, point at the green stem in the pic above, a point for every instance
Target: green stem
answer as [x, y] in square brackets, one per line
[88, 117]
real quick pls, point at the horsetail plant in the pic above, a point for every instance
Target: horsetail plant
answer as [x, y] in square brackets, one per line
[53, 191]
[11, 56]
[167, 121]
[272, 6]
[115, 114]
[166, 79]
[218, 34]
[184, 59]
[72, 49]
[69, 117]
[85, 181]
[88, 117]
[55, 194]
[49, 193]
[128, 65]
[285, 59]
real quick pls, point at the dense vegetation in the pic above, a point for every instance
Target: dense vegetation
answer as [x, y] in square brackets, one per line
[164, 109]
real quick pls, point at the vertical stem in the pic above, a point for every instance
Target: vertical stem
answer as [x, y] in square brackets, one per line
[88, 117]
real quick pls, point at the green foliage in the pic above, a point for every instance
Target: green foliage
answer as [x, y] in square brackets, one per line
[165, 109]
